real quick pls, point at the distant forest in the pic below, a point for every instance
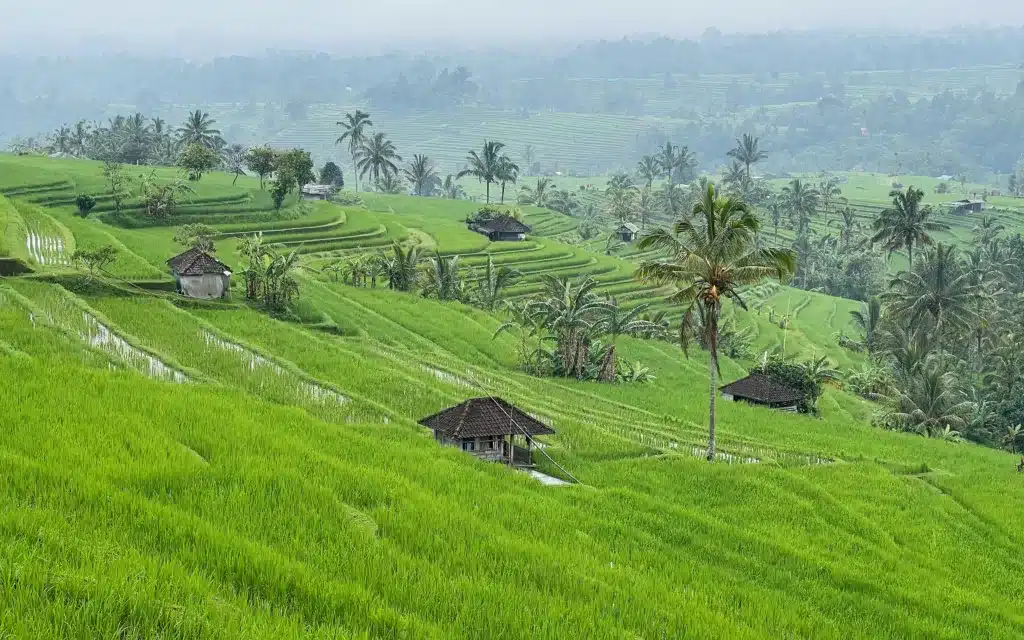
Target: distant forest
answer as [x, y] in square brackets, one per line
[823, 125]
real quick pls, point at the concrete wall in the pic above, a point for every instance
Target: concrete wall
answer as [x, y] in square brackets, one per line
[210, 285]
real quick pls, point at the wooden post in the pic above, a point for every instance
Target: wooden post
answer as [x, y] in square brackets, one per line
[529, 455]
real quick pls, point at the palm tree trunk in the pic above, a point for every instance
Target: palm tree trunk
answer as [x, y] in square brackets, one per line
[488, 192]
[712, 395]
[502, 193]
[910, 256]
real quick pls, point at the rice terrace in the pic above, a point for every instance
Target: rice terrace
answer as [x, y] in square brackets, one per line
[636, 351]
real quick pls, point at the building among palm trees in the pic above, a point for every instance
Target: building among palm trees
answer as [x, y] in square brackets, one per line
[317, 191]
[967, 206]
[197, 274]
[488, 428]
[627, 231]
[501, 228]
[763, 390]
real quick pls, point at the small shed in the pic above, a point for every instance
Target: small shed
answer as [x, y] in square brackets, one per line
[763, 390]
[197, 274]
[967, 206]
[488, 428]
[628, 231]
[317, 191]
[502, 228]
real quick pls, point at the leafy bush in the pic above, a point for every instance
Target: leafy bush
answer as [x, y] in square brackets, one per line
[85, 204]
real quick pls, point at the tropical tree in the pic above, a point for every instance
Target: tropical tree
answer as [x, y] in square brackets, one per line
[931, 401]
[868, 319]
[402, 267]
[79, 138]
[60, 140]
[421, 173]
[198, 129]
[262, 161]
[377, 157]
[570, 310]
[354, 134]
[536, 195]
[674, 161]
[829, 193]
[648, 169]
[940, 289]
[848, 226]
[712, 254]
[233, 158]
[645, 206]
[526, 321]
[671, 199]
[197, 159]
[802, 201]
[775, 208]
[508, 171]
[747, 152]
[486, 165]
[622, 204]
[906, 224]
[492, 284]
[390, 183]
[451, 189]
[442, 278]
[614, 321]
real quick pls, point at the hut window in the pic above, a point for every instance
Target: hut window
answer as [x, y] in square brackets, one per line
[468, 445]
[487, 443]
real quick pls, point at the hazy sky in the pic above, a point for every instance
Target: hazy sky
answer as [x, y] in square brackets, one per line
[346, 26]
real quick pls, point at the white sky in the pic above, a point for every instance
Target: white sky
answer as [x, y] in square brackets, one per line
[227, 26]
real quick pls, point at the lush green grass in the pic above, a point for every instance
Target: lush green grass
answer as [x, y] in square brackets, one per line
[285, 490]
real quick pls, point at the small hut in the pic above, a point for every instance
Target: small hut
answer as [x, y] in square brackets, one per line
[967, 206]
[502, 228]
[628, 231]
[488, 428]
[763, 390]
[197, 274]
[317, 192]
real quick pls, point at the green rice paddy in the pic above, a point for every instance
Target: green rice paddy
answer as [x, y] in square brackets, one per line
[278, 485]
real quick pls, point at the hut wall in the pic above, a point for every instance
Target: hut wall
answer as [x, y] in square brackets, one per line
[209, 285]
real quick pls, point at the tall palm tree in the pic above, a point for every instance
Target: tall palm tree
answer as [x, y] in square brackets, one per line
[940, 289]
[713, 253]
[848, 226]
[491, 285]
[869, 319]
[355, 125]
[79, 138]
[60, 140]
[486, 165]
[747, 152]
[377, 157]
[802, 201]
[536, 195]
[673, 160]
[829, 194]
[622, 205]
[671, 200]
[735, 176]
[906, 223]
[421, 173]
[648, 170]
[508, 171]
[198, 129]
[645, 205]
[775, 208]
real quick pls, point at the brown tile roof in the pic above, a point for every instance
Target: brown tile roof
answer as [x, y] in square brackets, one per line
[758, 387]
[504, 224]
[483, 417]
[196, 262]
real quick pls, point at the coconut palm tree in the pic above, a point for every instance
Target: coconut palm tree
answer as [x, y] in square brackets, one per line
[940, 289]
[570, 311]
[508, 171]
[648, 170]
[526, 319]
[747, 152]
[354, 134]
[802, 201]
[492, 283]
[906, 223]
[673, 160]
[402, 267]
[735, 177]
[848, 226]
[931, 401]
[536, 195]
[79, 138]
[622, 205]
[775, 208]
[829, 193]
[671, 199]
[868, 319]
[451, 189]
[443, 279]
[421, 172]
[645, 205]
[60, 140]
[377, 157]
[614, 321]
[486, 165]
[198, 129]
[712, 253]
